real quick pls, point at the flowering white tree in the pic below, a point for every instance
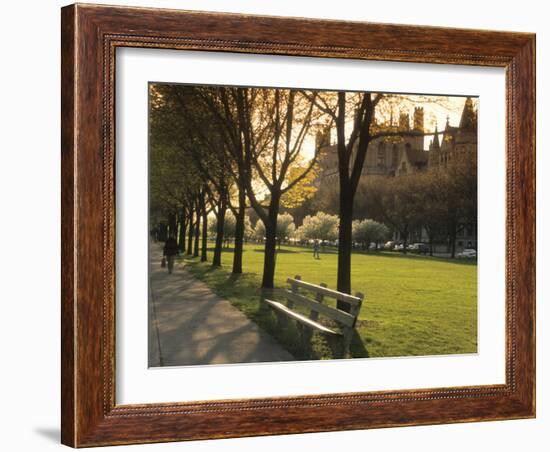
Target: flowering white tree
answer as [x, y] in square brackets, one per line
[320, 226]
[285, 228]
[230, 226]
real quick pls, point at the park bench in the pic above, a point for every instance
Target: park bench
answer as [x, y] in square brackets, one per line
[311, 297]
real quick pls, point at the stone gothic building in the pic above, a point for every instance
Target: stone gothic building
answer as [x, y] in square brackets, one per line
[455, 141]
[396, 156]
[401, 155]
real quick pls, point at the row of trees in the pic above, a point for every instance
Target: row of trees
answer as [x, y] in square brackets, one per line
[437, 201]
[236, 148]
[440, 201]
[321, 226]
[216, 150]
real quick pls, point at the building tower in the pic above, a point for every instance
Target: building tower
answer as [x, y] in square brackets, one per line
[419, 119]
[418, 123]
[404, 121]
[435, 142]
[468, 120]
[435, 147]
[466, 136]
[322, 138]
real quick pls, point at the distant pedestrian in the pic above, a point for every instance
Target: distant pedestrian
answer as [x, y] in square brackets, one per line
[316, 248]
[170, 251]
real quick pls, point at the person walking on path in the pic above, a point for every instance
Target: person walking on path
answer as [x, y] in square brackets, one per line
[170, 251]
[316, 247]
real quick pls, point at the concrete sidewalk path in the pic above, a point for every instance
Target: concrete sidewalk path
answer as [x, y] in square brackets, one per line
[191, 325]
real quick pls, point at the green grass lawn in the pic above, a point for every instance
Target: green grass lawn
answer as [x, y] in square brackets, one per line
[414, 305]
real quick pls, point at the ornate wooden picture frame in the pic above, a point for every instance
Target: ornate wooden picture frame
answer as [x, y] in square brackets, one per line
[90, 37]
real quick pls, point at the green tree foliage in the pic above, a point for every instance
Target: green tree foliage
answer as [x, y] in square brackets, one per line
[173, 178]
[450, 196]
[401, 202]
[304, 189]
[367, 231]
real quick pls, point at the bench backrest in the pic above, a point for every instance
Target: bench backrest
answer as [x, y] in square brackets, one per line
[315, 305]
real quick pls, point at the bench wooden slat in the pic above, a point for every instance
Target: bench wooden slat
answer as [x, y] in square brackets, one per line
[302, 319]
[325, 291]
[335, 314]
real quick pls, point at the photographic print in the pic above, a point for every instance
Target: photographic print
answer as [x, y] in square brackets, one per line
[297, 224]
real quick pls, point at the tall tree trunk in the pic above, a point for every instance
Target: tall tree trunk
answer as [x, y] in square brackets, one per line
[269, 254]
[405, 239]
[191, 233]
[239, 234]
[453, 242]
[204, 248]
[183, 227]
[197, 234]
[345, 244]
[220, 220]
[347, 154]
[270, 243]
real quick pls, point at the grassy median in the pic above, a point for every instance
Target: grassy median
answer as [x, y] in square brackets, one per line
[414, 305]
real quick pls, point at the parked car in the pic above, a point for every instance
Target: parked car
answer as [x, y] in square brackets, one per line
[419, 248]
[468, 253]
[399, 247]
